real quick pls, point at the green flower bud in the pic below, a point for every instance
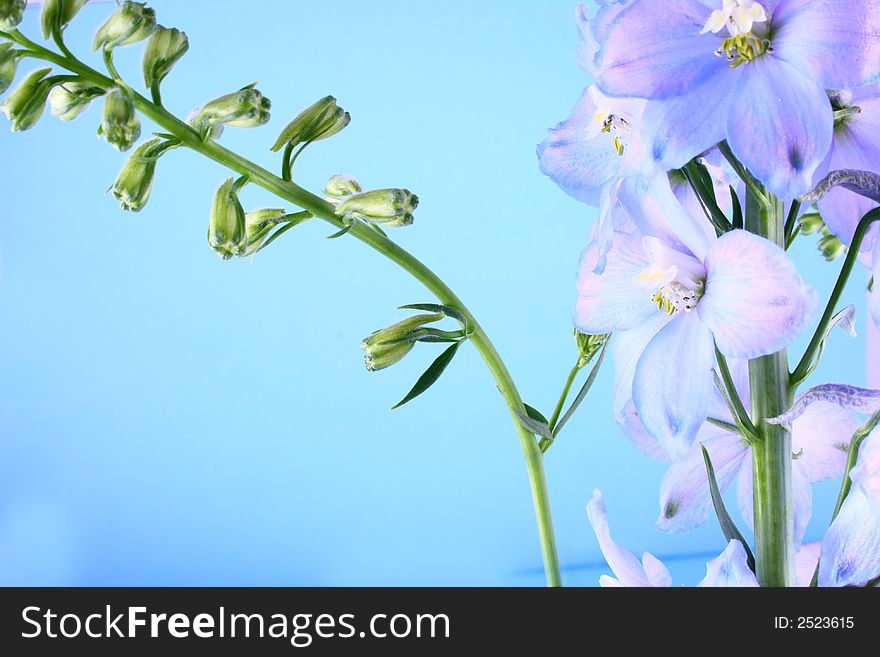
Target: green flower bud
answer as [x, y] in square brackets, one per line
[389, 345]
[25, 105]
[119, 123]
[811, 223]
[134, 183]
[246, 108]
[130, 23]
[227, 233]
[341, 187]
[831, 248]
[388, 207]
[588, 346]
[165, 47]
[11, 13]
[70, 99]
[258, 225]
[320, 121]
[58, 13]
[8, 64]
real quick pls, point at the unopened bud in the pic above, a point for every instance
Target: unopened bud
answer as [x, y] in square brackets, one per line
[130, 23]
[25, 105]
[8, 64]
[134, 183]
[258, 225]
[319, 121]
[165, 47]
[389, 345]
[246, 108]
[11, 13]
[70, 99]
[119, 123]
[341, 187]
[831, 248]
[588, 346]
[58, 13]
[811, 223]
[388, 207]
[227, 230]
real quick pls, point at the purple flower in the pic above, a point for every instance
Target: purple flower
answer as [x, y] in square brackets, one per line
[673, 292]
[760, 83]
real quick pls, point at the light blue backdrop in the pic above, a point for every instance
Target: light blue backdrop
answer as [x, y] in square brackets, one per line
[169, 418]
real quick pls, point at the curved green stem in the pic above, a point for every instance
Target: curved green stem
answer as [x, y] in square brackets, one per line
[318, 207]
[562, 397]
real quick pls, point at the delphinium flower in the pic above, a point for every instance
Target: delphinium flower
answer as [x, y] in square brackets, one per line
[672, 292]
[751, 73]
[729, 569]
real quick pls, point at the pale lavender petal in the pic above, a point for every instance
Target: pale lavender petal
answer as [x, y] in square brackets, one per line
[836, 43]
[862, 400]
[580, 163]
[636, 433]
[607, 582]
[613, 300]
[731, 568]
[849, 554]
[820, 440]
[685, 501]
[658, 574]
[654, 49]
[874, 297]
[805, 562]
[680, 128]
[866, 473]
[626, 349]
[623, 563]
[802, 502]
[756, 301]
[673, 382]
[780, 127]
[592, 32]
[745, 492]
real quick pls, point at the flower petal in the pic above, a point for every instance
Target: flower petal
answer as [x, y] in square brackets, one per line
[863, 400]
[592, 32]
[805, 562]
[756, 301]
[626, 349]
[578, 161]
[866, 473]
[622, 562]
[836, 43]
[673, 382]
[654, 49]
[849, 554]
[731, 568]
[613, 300]
[874, 297]
[781, 126]
[658, 574]
[820, 438]
[685, 501]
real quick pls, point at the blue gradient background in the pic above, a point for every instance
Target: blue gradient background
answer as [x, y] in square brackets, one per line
[169, 418]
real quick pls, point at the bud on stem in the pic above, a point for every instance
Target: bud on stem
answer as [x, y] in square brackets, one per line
[386, 207]
[340, 188]
[246, 108]
[227, 232]
[70, 99]
[134, 183]
[8, 64]
[11, 13]
[321, 120]
[130, 23]
[25, 105]
[119, 124]
[389, 345]
[57, 14]
[164, 49]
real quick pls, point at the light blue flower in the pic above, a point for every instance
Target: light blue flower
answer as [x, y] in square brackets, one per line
[760, 84]
[673, 292]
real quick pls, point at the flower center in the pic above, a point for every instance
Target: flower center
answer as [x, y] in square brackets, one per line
[610, 118]
[675, 280]
[739, 17]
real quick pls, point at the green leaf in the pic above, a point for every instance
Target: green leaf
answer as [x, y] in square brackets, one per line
[430, 376]
[535, 414]
[738, 221]
[341, 232]
[449, 311]
[583, 391]
[724, 519]
[536, 425]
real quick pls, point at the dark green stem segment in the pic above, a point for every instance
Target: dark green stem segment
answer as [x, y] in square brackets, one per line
[320, 208]
[772, 453]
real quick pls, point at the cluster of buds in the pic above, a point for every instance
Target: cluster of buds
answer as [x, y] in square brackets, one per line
[119, 123]
[246, 108]
[130, 23]
[829, 245]
[70, 99]
[588, 346]
[134, 183]
[389, 345]
[321, 120]
[8, 64]
[24, 106]
[381, 207]
[11, 13]
[164, 49]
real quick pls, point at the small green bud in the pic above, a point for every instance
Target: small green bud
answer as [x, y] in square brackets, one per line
[341, 187]
[389, 345]
[70, 99]
[11, 13]
[588, 346]
[320, 121]
[227, 229]
[387, 207]
[58, 13]
[130, 23]
[134, 183]
[8, 64]
[25, 105]
[164, 49]
[258, 225]
[119, 123]
[830, 247]
[246, 108]
[811, 223]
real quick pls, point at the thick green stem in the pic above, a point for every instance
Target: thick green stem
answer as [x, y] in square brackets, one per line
[772, 453]
[320, 208]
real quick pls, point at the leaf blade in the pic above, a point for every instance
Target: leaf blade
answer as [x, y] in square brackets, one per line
[430, 375]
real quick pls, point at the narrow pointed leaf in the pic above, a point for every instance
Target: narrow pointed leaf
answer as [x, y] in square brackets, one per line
[738, 221]
[727, 525]
[449, 311]
[341, 232]
[535, 425]
[430, 376]
[583, 391]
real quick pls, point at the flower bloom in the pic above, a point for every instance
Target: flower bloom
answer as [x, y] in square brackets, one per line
[752, 73]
